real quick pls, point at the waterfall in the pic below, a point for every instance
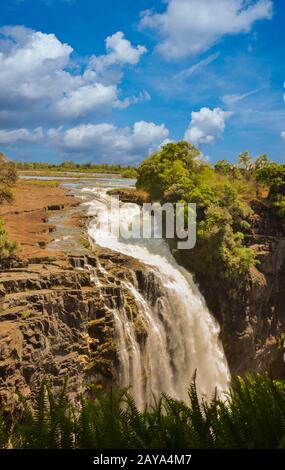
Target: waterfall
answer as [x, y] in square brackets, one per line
[182, 335]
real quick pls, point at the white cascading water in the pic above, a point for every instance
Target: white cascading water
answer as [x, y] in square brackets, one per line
[182, 334]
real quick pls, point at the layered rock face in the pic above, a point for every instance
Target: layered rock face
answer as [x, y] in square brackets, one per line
[251, 312]
[56, 322]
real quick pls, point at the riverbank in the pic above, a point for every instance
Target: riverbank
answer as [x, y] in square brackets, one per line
[79, 174]
[29, 218]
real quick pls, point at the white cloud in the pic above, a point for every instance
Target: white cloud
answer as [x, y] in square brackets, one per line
[40, 81]
[140, 98]
[196, 68]
[108, 143]
[119, 52]
[32, 64]
[206, 125]
[235, 98]
[86, 99]
[20, 136]
[188, 27]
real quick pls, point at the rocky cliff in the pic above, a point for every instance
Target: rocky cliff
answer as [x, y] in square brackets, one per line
[251, 310]
[57, 319]
[57, 322]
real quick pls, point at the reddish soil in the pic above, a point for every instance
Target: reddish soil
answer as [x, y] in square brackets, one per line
[26, 218]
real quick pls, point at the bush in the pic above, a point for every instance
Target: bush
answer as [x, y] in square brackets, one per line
[129, 173]
[8, 177]
[175, 174]
[7, 247]
[252, 416]
[173, 164]
[273, 175]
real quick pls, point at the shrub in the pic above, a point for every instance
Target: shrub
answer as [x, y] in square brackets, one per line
[7, 247]
[251, 416]
[175, 174]
[129, 173]
[8, 177]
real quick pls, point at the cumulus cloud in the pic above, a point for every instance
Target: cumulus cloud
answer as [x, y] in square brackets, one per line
[188, 27]
[20, 136]
[87, 98]
[39, 80]
[206, 125]
[119, 52]
[283, 135]
[30, 62]
[108, 143]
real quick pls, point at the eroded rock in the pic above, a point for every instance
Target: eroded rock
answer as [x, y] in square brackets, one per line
[56, 322]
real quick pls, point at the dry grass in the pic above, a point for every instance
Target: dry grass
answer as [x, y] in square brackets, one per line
[40, 183]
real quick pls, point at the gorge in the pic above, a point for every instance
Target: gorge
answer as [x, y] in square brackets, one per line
[81, 304]
[126, 314]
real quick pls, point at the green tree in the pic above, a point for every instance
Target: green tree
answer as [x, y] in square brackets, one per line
[130, 172]
[246, 162]
[272, 175]
[8, 177]
[68, 164]
[7, 247]
[261, 162]
[175, 174]
[223, 167]
[171, 165]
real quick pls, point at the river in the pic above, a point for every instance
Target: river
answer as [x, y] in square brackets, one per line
[183, 336]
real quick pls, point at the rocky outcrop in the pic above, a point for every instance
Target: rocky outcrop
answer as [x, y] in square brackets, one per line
[56, 322]
[130, 195]
[250, 311]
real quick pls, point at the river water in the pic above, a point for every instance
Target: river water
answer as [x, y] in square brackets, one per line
[183, 336]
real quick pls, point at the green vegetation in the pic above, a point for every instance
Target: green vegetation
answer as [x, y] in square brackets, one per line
[251, 417]
[25, 315]
[85, 242]
[177, 174]
[273, 175]
[7, 247]
[223, 194]
[48, 169]
[129, 173]
[41, 183]
[8, 177]
[50, 259]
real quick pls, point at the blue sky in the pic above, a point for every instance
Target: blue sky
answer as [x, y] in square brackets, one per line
[111, 81]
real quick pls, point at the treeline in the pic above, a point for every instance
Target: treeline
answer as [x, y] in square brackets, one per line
[128, 172]
[224, 193]
[252, 416]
